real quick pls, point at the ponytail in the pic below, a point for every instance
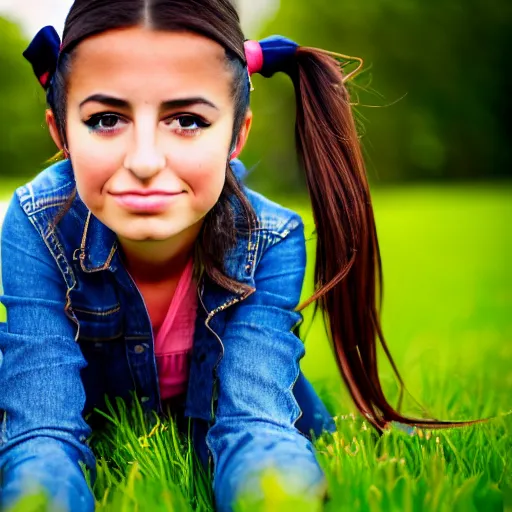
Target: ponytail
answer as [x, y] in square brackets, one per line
[348, 272]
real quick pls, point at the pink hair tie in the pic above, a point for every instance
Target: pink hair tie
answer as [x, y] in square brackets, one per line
[254, 56]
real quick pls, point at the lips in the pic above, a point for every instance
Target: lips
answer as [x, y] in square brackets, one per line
[146, 202]
[145, 193]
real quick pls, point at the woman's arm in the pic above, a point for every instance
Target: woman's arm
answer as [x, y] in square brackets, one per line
[256, 410]
[42, 432]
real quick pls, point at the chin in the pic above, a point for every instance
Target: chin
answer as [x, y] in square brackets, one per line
[148, 229]
[147, 236]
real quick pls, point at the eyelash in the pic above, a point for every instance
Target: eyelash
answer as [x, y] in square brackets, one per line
[95, 119]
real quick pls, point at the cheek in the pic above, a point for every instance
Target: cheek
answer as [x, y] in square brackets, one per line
[91, 176]
[204, 172]
[206, 182]
[93, 165]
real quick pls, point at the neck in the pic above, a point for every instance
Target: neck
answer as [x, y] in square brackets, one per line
[153, 261]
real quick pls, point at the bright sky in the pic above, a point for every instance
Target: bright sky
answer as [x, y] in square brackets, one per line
[35, 14]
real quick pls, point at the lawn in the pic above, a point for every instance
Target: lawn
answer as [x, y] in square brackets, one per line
[447, 318]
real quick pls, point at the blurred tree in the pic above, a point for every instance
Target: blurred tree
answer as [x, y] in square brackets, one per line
[24, 140]
[437, 70]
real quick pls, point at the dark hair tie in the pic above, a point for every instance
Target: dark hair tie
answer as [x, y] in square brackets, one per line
[43, 54]
[270, 55]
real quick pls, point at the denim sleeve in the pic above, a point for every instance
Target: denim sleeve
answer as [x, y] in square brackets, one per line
[42, 431]
[254, 429]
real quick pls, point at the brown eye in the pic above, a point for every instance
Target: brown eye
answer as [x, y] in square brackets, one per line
[104, 122]
[188, 123]
[109, 121]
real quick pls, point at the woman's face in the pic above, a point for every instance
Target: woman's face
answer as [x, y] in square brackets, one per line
[149, 126]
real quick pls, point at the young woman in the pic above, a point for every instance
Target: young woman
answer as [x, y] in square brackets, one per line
[140, 263]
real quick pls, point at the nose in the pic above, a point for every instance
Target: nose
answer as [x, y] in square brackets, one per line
[144, 157]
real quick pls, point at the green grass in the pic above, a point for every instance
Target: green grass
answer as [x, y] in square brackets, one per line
[447, 318]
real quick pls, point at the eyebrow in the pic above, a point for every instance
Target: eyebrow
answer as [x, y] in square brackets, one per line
[166, 105]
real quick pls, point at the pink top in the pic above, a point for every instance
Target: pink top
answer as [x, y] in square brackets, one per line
[174, 340]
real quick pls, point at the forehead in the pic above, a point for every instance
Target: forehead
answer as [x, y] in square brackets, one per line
[149, 64]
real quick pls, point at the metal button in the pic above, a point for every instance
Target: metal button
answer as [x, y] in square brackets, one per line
[139, 349]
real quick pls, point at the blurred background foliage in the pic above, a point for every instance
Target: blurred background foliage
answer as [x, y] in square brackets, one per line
[433, 101]
[436, 73]
[24, 140]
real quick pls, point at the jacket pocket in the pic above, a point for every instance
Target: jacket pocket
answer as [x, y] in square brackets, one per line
[99, 324]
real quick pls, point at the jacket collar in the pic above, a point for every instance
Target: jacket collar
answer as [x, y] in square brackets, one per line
[98, 246]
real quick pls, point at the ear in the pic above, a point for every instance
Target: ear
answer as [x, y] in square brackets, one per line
[243, 135]
[54, 131]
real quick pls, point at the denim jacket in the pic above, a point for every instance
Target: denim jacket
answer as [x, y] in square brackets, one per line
[77, 328]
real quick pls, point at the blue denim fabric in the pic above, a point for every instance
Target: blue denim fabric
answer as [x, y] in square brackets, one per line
[77, 328]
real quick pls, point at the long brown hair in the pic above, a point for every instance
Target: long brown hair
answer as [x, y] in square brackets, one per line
[348, 273]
